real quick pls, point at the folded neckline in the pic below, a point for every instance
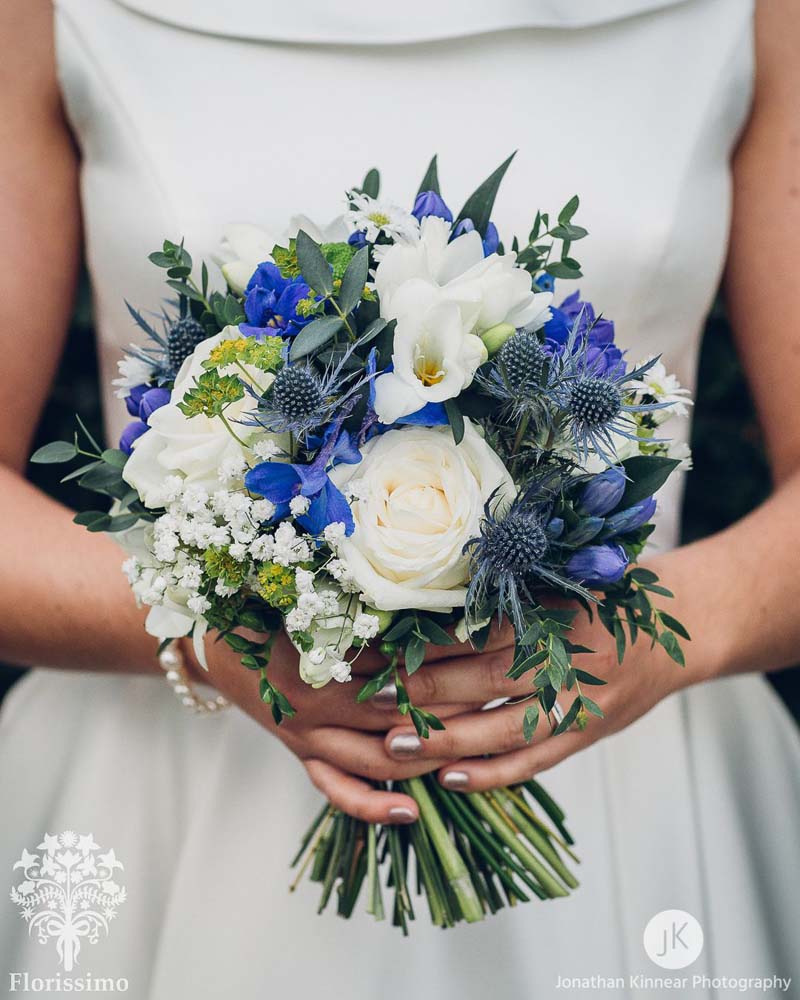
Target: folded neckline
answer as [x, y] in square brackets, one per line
[361, 22]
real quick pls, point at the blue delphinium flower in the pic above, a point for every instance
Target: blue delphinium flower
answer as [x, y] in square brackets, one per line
[280, 483]
[603, 492]
[597, 566]
[595, 334]
[430, 203]
[151, 401]
[141, 402]
[271, 304]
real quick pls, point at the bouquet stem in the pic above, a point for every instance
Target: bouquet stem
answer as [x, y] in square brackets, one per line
[470, 854]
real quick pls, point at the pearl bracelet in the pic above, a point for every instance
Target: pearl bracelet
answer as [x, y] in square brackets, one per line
[173, 664]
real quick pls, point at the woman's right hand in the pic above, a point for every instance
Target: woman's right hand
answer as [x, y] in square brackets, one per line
[340, 742]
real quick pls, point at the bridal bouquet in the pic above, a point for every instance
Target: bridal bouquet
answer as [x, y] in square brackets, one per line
[385, 433]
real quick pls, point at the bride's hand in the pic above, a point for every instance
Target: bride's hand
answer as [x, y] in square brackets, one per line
[340, 742]
[458, 674]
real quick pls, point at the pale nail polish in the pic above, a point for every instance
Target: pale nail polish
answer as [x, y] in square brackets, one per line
[456, 780]
[386, 697]
[405, 745]
[401, 814]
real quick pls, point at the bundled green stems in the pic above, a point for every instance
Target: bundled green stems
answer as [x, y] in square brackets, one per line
[469, 855]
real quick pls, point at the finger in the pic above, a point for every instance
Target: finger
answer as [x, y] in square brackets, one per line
[363, 755]
[496, 731]
[475, 775]
[357, 798]
[477, 678]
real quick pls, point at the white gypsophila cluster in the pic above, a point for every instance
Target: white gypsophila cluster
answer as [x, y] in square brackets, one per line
[133, 371]
[366, 626]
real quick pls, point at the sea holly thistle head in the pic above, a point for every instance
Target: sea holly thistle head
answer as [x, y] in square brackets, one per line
[211, 394]
[183, 336]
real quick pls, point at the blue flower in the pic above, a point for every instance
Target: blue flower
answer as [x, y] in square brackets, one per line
[271, 303]
[594, 334]
[491, 239]
[430, 203]
[134, 397]
[151, 401]
[632, 517]
[598, 566]
[134, 430]
[603, 492]
[280, 483]
[358, 239]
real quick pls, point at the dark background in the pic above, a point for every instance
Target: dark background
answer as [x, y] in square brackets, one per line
[730, 477]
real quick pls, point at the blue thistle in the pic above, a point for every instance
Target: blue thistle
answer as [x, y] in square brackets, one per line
[519, 376]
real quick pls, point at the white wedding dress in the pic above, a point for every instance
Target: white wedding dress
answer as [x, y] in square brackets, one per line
[194, 113]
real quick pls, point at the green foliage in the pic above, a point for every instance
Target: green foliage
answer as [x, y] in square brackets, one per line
[211, 394]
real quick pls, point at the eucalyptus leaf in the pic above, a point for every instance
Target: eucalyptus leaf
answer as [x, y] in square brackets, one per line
[480, 203]
[414, 654]
[54, 453]
[353, 281]
[315, 269]
[314, 336]
[455, 418]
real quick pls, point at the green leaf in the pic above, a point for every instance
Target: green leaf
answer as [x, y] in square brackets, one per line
[122, 522]
[529, 722]
[561, 269]
[674, 625]
[587, 678]
[673, 647]
[619, 638]
[646, 474]
[430, 182]
[414, 654]
[85, 430]
[372, 331]
[78, 472]
[90, 518]
[114, 457]
[355, 277]
[566, 213]
[55, 452]
[523, 665]
[569, 718]
[456, 419]
[569, 232]
[185, 290]
[161, 259]
[232, 312]
[642, 575]
[371, 185]
[434, 633]
[314, 336]
[591, 706]
[374, 685]
[400, 629]
[238, 643]
[480, 203]
[315, 269]
[104, 479]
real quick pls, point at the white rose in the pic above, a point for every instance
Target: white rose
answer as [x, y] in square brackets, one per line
[196, 447]
[434, 358]
[423, 499]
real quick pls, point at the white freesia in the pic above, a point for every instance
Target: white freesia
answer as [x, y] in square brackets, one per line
[444, 294]
[423, 501]
[196, 447]
[434, 358]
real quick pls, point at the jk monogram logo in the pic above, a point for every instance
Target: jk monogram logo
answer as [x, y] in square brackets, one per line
[673, 939]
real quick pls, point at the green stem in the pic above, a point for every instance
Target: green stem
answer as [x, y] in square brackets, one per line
[230, 430]
[536, 838]
[458, 876]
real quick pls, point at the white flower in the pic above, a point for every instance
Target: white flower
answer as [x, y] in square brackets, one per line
[196, 446]
[682, 452]
[262, 510]
[664, 388]
[198, 604]
[131, 568]
[299, 619]
[490, 290]
[373, 217]
[303, 580]
[132, 371]
[231, 471]
[435, 357]
[365, 626]
[334, 533]
[299, 505]
[340, 671]
[265, 449]
[332, 635]
[426, 499]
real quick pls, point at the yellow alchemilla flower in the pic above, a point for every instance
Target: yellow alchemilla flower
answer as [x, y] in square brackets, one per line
[276, 584]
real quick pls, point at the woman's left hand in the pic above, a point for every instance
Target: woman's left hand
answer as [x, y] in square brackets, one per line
[461, 675]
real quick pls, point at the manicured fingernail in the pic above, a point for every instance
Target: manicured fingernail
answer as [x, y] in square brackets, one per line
[386, 697]
[405, 745]
[401, 814]
[456, 780]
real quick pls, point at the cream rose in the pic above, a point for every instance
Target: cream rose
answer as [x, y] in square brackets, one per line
[193, 447]
[420, 498]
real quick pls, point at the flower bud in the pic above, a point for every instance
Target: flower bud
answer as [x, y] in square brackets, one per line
[134, 430]
[384, 617]
[496, 336]
[596, 566]
[603, 492]
[151, 401]
[631, 518]
[431, 203]
[585, 531]
[134, 397]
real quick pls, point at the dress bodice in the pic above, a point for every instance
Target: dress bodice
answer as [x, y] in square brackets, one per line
[194, 114]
